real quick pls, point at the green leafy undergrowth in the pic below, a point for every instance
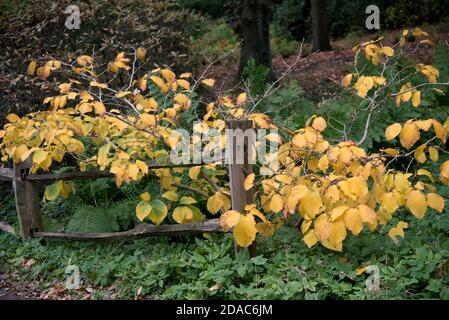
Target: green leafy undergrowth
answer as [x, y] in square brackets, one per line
[209, 268]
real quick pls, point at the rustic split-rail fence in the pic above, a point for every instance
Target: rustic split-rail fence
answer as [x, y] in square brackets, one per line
[26, 186]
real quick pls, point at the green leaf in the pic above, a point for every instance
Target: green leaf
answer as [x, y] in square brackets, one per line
[187, 200]
[51, 192]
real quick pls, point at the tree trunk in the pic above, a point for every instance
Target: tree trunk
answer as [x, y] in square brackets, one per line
[320, 26]
[255, 30]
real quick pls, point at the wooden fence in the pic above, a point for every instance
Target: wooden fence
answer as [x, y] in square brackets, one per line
[26, 185]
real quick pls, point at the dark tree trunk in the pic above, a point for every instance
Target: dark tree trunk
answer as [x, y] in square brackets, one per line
[254, 26]
[320, 26]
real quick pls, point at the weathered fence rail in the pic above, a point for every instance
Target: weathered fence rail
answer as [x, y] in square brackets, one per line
[25, 187]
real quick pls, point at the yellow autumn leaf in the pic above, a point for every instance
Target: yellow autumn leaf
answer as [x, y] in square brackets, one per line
[319, 124]
[85, 107]
[424, 172]
[99, 108]
[353, 221]
[160, 83]
[143, 209]
[266, 229]
[416, 98]
[311, 204]
[43, 72]
[323, 163]
[440, 131]
[360, 271]
[299, 140]
[39, 156]
[398, 231]
[148, 119]
[145, 196]
[310, 238]
[393, 131]
[388, 51]
[337, 235]
[229, 219]
[337, 212]
[424, 124]
[141, 53]
[84, 60]
[85, 96]
[187, 200]
[296, 194]
[12, 117]
[435, 201]
[249, 181]
[241, 98]
[323, 227]
[274, 137]
[208, 82]
[391, 151]
[367, 214]
[419, 153]
[215, 203]
[245, 231]
[98, 85]
[409, 135]
[168, 75]
[194, 172]
[184, 84]
[444, 172]
[170, 195]
[433, 154]
[417, 203]
[276, 203]
[347, 80]
[418, 32]
[182, 214]
[122, 94]
[31, 68]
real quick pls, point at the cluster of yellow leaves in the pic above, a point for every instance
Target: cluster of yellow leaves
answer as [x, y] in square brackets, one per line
[122, 140]
[230, 108]
[430, 72]
[44, 71]
[155, 210]
[417, 33]
[44, 136]
[365, 84]
[244, 226]
[409, 134]
[79, 113]
[169, 81]
[217, 202]
[377, 53]
[373, 51]
[120, 62]
[336, 189]
[408, 93]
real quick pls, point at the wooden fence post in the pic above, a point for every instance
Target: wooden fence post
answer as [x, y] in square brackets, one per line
[238, 171]
[27, 201]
